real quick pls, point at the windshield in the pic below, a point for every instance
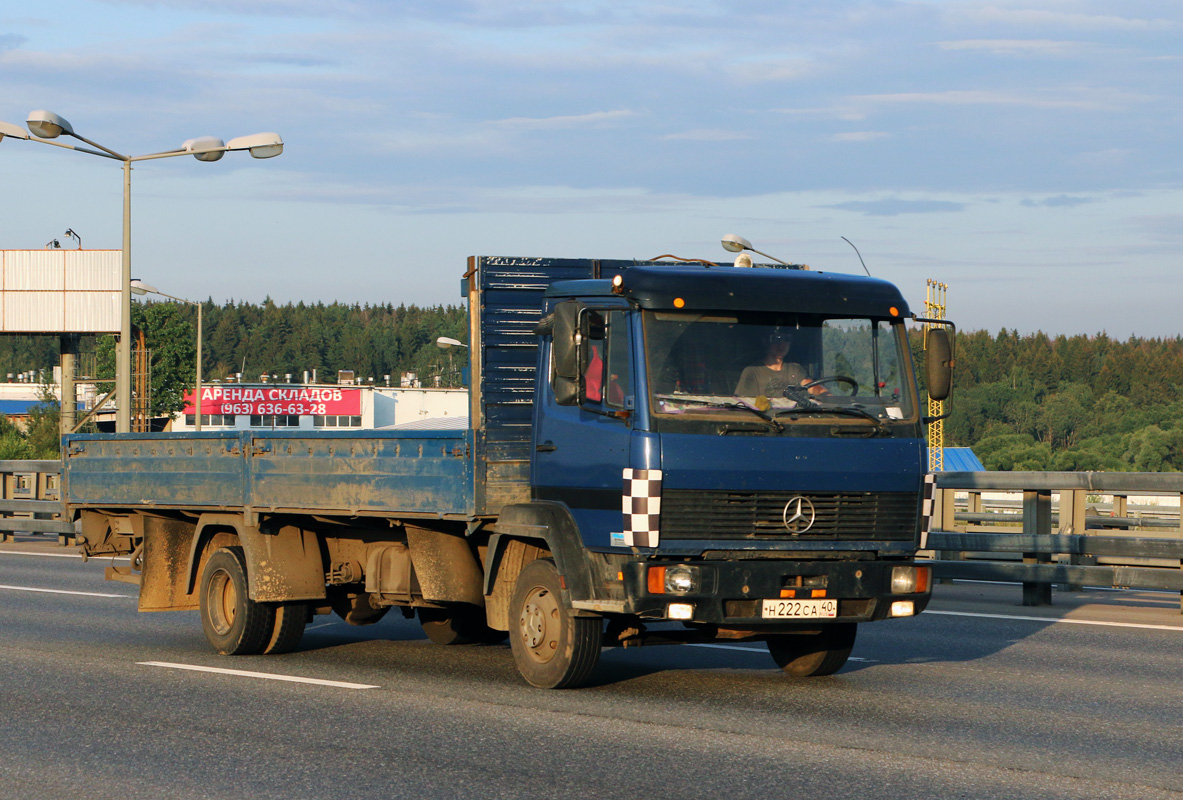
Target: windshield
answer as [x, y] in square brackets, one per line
[777, 370]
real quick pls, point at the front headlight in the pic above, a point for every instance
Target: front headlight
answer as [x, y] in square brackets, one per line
[909, 580]
[675, 579]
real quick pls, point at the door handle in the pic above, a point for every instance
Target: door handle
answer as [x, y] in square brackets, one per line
[546, 447]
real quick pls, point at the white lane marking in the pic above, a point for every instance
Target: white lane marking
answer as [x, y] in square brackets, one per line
[63, 591]
[60, 555]
[1057, 620]
[760, 650]
[264, 675]
[321, 625]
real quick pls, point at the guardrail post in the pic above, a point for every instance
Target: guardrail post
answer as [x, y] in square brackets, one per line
[1072, 522]
[944, 518]
[1037, 521]
[1181, 536]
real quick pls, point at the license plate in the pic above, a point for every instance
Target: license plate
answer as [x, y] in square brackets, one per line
[799, 609]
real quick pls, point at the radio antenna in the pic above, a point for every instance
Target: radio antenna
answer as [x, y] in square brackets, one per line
[860, 256]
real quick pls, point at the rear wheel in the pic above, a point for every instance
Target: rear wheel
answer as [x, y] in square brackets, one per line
[552, 648]
[233, 623]
[290, 619]
[460, 624]
[804, 655]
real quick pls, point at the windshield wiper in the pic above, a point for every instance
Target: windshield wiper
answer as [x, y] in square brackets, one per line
[719, 404]
[848, 411]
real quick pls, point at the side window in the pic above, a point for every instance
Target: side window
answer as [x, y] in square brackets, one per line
[617, 372]
[607, 379]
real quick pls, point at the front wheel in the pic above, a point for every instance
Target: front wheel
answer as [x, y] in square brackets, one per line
[233, 623]
[804, 655]
[552, 648]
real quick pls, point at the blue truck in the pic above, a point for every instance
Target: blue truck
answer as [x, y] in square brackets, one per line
[657, 453]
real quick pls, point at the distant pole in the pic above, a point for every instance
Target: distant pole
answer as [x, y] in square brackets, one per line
[123, 359]
[197, 393]
[69, 394]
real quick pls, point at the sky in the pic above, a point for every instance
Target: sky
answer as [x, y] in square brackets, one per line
[1026, 153]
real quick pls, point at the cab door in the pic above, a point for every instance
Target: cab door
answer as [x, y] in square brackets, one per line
[582, 445]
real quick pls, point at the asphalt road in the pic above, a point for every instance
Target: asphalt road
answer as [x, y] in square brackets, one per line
[978, 698]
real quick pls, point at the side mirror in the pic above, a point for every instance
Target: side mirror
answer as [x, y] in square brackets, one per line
[938, 364]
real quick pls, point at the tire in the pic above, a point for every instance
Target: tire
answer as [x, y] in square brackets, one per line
[290, 619]
[233, 623]
[805, 655]
[460, 624]
[552, 648]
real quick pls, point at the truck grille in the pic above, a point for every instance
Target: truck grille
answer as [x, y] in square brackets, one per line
[688, 514]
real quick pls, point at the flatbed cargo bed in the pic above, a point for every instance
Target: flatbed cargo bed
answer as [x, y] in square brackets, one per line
[417, 473]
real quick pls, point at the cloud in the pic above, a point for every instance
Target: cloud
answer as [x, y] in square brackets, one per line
[11, 41]
[894, 206]
[1032, 47]
[1113, 157]
[770, 70]
[598, 119]
[1059, 201]
[707, 135]
[1061, 19]
[1084, 99]
[846, 113]
[1162, 227]
[859, 136]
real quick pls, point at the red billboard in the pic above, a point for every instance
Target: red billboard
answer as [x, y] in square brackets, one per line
[232, 399]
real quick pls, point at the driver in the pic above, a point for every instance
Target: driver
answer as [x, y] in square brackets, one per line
[773, 374]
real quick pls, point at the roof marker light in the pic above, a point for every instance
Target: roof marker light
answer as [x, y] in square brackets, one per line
[679, 302]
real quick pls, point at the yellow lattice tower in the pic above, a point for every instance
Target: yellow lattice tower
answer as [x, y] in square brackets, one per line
[934, 308]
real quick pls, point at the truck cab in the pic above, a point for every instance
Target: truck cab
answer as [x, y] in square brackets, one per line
[739, 450]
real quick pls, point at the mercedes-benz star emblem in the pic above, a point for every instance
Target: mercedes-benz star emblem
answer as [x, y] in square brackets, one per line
[799, 514]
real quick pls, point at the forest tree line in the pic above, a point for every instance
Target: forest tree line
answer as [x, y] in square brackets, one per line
[1068, 403]
[1022, 402]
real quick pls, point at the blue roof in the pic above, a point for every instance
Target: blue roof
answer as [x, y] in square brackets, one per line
[962, 459]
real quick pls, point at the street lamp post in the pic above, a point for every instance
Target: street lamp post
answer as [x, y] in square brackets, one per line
[447, 343]
[45, 126]
[139, 287]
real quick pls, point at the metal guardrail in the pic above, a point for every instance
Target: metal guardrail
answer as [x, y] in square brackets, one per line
[30, 500]
[1056, 548]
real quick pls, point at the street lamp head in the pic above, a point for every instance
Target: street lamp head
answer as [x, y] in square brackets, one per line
[139, 287]
[48, 125]
[261, 145]
[205, 148]
[446, 342]
[15, 131]
[735, 244]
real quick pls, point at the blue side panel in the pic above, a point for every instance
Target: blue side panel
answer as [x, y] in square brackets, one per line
[329, 472]
[201, 470]
[414, 472]
[511, 292]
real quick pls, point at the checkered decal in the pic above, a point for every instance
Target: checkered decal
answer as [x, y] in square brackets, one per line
[641, 507]
[927, 509]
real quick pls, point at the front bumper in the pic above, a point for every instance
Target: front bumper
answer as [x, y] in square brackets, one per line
[731, 593]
